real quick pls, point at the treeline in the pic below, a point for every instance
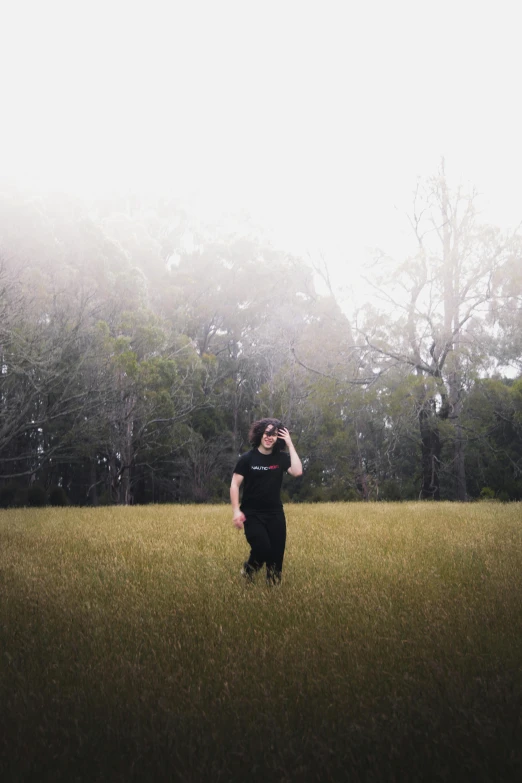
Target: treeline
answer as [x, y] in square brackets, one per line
[137, 344]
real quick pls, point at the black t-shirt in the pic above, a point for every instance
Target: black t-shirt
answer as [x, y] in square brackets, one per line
[263, 476]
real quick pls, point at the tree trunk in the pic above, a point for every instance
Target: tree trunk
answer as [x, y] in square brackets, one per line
[430, 451]
[127, 450]
[460, 467]
[94, 489]
[452, 299]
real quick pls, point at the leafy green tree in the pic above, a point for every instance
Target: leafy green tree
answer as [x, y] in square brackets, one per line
[492, 418]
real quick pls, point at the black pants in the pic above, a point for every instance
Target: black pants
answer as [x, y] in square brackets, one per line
[266, 534]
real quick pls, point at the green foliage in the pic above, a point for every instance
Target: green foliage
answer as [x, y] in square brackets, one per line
[132, 368]
[487, 493]
[58, 497]
[8, 495]
[105, 499]
[494, 455]
[390, 490]
[341, 491]
[126, 361]
[36, 496]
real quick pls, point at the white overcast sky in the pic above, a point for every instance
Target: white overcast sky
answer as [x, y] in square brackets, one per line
[315, 117]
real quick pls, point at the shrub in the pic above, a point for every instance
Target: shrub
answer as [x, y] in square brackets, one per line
[351, 495]
[317, 495]
[36, 496]
[8, 495]
[486, 493]
[340, 491]
[390, 490]
[105, 499]
[58, 497]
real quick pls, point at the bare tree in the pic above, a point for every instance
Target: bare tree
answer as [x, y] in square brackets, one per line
[436, 304]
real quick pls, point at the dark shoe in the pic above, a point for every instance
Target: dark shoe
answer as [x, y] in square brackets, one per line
[273, 577]
[247, 572]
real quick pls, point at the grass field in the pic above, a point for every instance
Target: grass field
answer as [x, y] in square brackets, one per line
[131, 649]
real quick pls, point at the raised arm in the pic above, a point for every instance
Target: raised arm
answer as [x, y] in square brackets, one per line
[296, 466]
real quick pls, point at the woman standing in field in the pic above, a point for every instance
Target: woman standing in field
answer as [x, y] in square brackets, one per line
[260, 514]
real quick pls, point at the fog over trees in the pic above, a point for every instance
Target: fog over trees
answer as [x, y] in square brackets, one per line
[138, 342]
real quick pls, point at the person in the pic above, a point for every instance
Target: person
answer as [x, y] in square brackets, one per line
[260, 514]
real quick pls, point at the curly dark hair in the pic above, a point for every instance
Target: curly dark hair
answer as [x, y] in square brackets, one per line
[257, 429]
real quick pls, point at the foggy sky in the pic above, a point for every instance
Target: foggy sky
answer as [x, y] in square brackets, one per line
[314, 118]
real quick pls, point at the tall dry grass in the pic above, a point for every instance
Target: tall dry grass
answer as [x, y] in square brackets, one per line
[132, 650]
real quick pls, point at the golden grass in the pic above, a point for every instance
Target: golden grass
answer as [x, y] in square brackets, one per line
[132, 650]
